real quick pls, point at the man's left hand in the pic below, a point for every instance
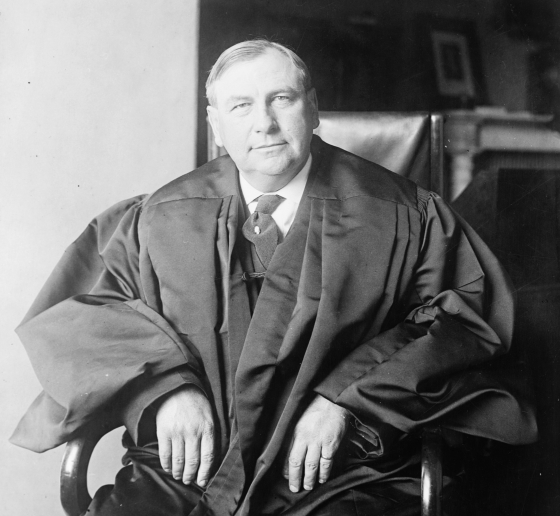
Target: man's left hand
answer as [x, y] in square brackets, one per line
[317, 436]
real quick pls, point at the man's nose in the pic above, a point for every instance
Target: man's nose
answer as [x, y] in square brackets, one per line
[265, 119]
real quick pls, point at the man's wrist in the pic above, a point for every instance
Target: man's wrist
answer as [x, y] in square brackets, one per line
[189, 388]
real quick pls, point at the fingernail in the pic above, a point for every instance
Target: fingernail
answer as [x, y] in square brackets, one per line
[186, 482]
[308, 488]
[202, 483]
[294, 489]
[321, 481]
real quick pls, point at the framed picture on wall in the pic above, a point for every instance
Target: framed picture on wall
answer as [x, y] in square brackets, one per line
[453, 64]
[447, 64]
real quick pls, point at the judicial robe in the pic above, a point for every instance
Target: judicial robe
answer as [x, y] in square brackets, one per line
[380, 299]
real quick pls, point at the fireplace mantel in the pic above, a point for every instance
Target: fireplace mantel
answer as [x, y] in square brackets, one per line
[469, 133]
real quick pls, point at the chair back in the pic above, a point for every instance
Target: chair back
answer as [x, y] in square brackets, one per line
[406, 143]
[409, 144]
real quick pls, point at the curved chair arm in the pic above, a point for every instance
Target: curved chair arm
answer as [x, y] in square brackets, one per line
[431, 481]
[74, 494]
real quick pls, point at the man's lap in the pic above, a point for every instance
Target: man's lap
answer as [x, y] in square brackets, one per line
[142, 488]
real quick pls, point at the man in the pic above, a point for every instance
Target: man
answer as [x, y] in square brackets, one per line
[254, 317]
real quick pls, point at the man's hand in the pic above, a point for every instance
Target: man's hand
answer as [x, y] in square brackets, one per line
[185, 432]
[317, 436]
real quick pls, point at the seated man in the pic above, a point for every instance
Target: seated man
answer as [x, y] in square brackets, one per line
[273, 327]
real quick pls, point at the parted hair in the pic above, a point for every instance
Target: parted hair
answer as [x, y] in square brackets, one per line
[251, 49]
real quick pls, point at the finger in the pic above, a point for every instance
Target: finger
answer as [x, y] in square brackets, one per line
[206, 456]
[311, 466]
[164, 447]
[178, 458]
[325, 464]
[286, 469]
[295, 465]
[192, 459]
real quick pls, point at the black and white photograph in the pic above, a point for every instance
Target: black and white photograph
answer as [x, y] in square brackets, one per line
[295, 258]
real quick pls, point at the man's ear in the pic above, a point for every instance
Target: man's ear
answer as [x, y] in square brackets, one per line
[215, 123]
[313, 106]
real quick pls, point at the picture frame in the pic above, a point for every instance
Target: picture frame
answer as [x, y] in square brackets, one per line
[447, 63]
[453, 65]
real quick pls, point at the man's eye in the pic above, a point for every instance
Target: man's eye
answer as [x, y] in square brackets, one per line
[240, 106]
[282, 98]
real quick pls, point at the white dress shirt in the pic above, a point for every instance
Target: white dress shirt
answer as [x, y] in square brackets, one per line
[286, 211]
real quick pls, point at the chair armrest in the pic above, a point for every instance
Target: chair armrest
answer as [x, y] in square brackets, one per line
[431, 481]
[74, 494]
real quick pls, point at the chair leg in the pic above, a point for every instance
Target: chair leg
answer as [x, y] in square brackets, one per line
[431, 472]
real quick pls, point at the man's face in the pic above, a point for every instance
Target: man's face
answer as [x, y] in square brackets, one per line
[264, 118]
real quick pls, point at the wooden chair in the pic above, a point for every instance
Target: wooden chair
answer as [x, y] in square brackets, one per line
[409, 144]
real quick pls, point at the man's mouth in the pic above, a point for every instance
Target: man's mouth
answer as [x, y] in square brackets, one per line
[268, 146]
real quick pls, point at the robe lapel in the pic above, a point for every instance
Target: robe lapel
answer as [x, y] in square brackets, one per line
[239, 307]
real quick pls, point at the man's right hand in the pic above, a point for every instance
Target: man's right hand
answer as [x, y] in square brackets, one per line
[185, 432]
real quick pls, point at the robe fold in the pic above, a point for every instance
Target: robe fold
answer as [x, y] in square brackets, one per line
[380, 299]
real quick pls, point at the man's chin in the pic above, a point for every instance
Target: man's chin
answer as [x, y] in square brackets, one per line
[275, 166]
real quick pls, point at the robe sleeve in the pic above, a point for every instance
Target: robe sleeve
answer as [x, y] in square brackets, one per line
[97, 347]
[433, 366]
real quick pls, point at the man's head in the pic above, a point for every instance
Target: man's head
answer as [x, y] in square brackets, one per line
[263, 111]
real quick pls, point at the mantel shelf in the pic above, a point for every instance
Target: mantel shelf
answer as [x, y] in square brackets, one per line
[468, 133]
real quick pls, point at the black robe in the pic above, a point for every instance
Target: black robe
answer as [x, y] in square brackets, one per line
[379, 299]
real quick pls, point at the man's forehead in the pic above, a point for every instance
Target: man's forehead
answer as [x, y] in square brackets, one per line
[271, 68]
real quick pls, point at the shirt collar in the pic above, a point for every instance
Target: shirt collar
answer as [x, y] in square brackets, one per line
[293, 191]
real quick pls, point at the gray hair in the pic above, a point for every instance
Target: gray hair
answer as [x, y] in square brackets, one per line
[247, 50]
